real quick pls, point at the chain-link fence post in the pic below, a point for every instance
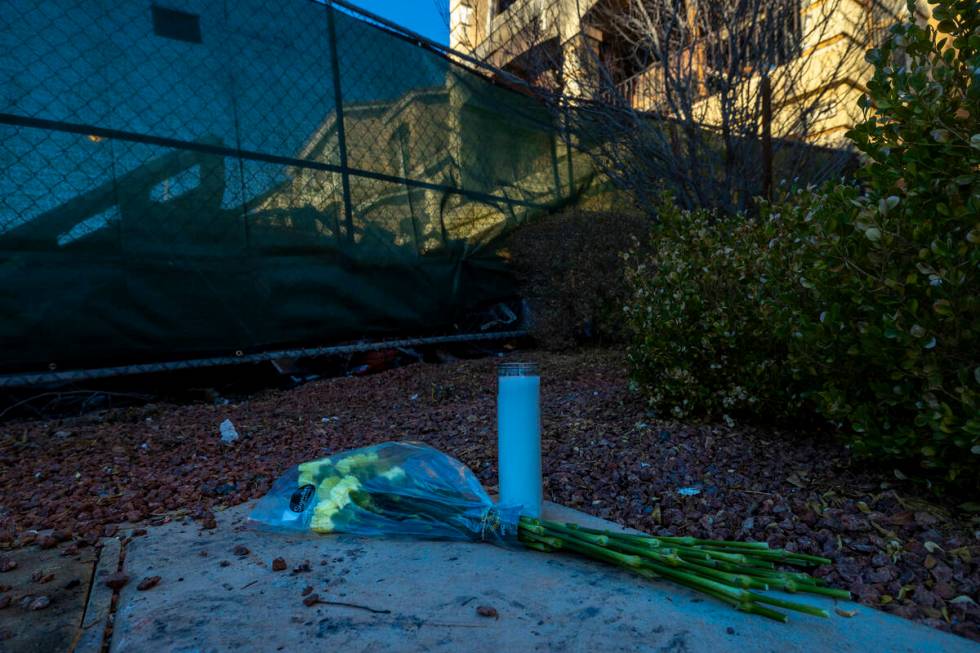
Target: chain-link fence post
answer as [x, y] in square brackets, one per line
[341, 131]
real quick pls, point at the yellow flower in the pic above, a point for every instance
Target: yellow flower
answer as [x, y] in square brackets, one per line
[351, 463]
[310, 471]
[326, 485]
[322, 521]
[336, 495]
[340, 494]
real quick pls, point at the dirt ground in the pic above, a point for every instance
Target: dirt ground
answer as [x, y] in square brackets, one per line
[893, 546]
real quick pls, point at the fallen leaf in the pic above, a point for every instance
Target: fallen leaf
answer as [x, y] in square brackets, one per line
[963, 553]
[794, 479]
[845, 613]
[932, 547]
[963, 599]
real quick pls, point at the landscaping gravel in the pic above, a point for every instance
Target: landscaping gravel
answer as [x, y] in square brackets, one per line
[893, 546]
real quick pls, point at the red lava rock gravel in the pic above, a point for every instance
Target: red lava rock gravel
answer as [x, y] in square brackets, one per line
[604, 453]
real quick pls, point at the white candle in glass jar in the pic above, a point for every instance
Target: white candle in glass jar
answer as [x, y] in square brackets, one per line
[519, 436]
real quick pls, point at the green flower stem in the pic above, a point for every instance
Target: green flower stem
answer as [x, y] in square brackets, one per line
[755, 608]
[791, 582]
[538, 546]
[723, 570]
[673, 560]
[725, 544]
[790, 605]
[824, 591]
[786, 557]
[574, 542]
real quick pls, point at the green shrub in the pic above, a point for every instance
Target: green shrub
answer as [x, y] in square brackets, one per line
[570, 269]
[892, 270]
[860, 303]
[699, 313]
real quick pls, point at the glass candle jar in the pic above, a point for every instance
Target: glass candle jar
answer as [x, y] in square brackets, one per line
[519, 436]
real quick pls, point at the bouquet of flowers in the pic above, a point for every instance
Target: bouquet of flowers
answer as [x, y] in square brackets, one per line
[412, 490]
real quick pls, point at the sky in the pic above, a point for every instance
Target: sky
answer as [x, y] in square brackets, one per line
[422, 16]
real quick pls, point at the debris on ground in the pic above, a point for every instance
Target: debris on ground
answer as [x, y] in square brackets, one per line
[487, 611]
[279, 565]
[40, 603]
[37, 602]
[303, 567]
[311, 600]
[228, 432]
[604, 453]
[148, 583]
[116, 581]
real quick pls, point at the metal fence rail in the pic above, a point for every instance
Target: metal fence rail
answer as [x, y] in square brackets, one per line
[40, 378]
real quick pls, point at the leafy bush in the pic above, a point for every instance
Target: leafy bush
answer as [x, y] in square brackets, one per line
[570, 269]
[703, 339]
[895, 268]
[859, 302]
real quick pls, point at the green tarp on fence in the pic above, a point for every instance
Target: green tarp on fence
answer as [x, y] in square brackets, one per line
[195, 178]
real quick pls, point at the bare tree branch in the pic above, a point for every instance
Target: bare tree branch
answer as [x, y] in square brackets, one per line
[668, 93]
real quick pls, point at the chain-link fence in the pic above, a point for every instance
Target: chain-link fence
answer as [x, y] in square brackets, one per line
[192, 178]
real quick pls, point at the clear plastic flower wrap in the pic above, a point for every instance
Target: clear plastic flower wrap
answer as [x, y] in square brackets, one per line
[393, 489]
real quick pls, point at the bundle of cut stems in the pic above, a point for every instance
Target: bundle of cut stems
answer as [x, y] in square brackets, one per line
[727, 571]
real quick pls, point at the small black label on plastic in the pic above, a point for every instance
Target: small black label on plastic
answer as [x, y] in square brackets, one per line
[301, 498]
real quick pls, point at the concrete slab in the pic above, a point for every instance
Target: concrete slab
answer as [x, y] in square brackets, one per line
[64, 580]
[98, 609]
[392, 595]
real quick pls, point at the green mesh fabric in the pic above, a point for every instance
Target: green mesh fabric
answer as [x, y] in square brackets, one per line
[199, 178]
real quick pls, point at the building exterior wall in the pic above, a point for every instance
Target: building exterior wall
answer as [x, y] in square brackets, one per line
[827, 75]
